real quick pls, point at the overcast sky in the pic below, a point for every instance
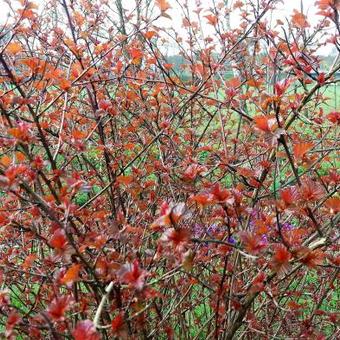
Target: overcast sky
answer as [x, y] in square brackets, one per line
[284, 10]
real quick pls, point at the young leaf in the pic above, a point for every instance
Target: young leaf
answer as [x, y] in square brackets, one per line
[71, 275]
[301, 149]
[85, 330]
[58, 307]
[299, 20]
[132, 274]
[253, 243]
[281, 258]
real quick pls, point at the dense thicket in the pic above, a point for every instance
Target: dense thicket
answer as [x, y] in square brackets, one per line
[142, 200]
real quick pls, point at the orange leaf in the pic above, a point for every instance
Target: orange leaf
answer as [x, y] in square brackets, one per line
[293, 305]
[234, 82]
[58, 239]
[6, 161]
[21, 132]
[163, 5]
[301, 149]
[212, 19]
[202, 199]
[130, 146]
[99, 215]
[20, 156]
[254, 83]
[299, 20]
[265, 123]
[333, 204]
[248, 173]
[29, 261]
[14, 48]
[150, 34]
[128, 179]
[136, 53]
[77, 134]
[326, 4]
[64, 84]
[168, 66]
[71, 275]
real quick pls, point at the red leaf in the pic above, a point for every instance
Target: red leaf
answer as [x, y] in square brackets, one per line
[293, 305]
[281, 87]
[289, 195]
[85, 330]
[58, 239]
[132, 275]
[254, 244]
[4, 181]
[192, 171]
[281, 258]
[234, 82]
[310, 258]
[58, 307]
[220, 195]
[117, 323]
[310, 191]
[104, 104]
[257, 284]
[177, 238]
[321, 78]
[170, 214]
[334, 117]
[12, 320]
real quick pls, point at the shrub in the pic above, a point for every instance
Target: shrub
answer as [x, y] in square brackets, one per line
[143, 199]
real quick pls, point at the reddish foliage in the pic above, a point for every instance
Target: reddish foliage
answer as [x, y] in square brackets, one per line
[132, 275]
[71, 274]
[159, 194]
[301, 149]
[252, 243]
[58, 306]
[281, 258]
[310, 258]
[85, 330]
